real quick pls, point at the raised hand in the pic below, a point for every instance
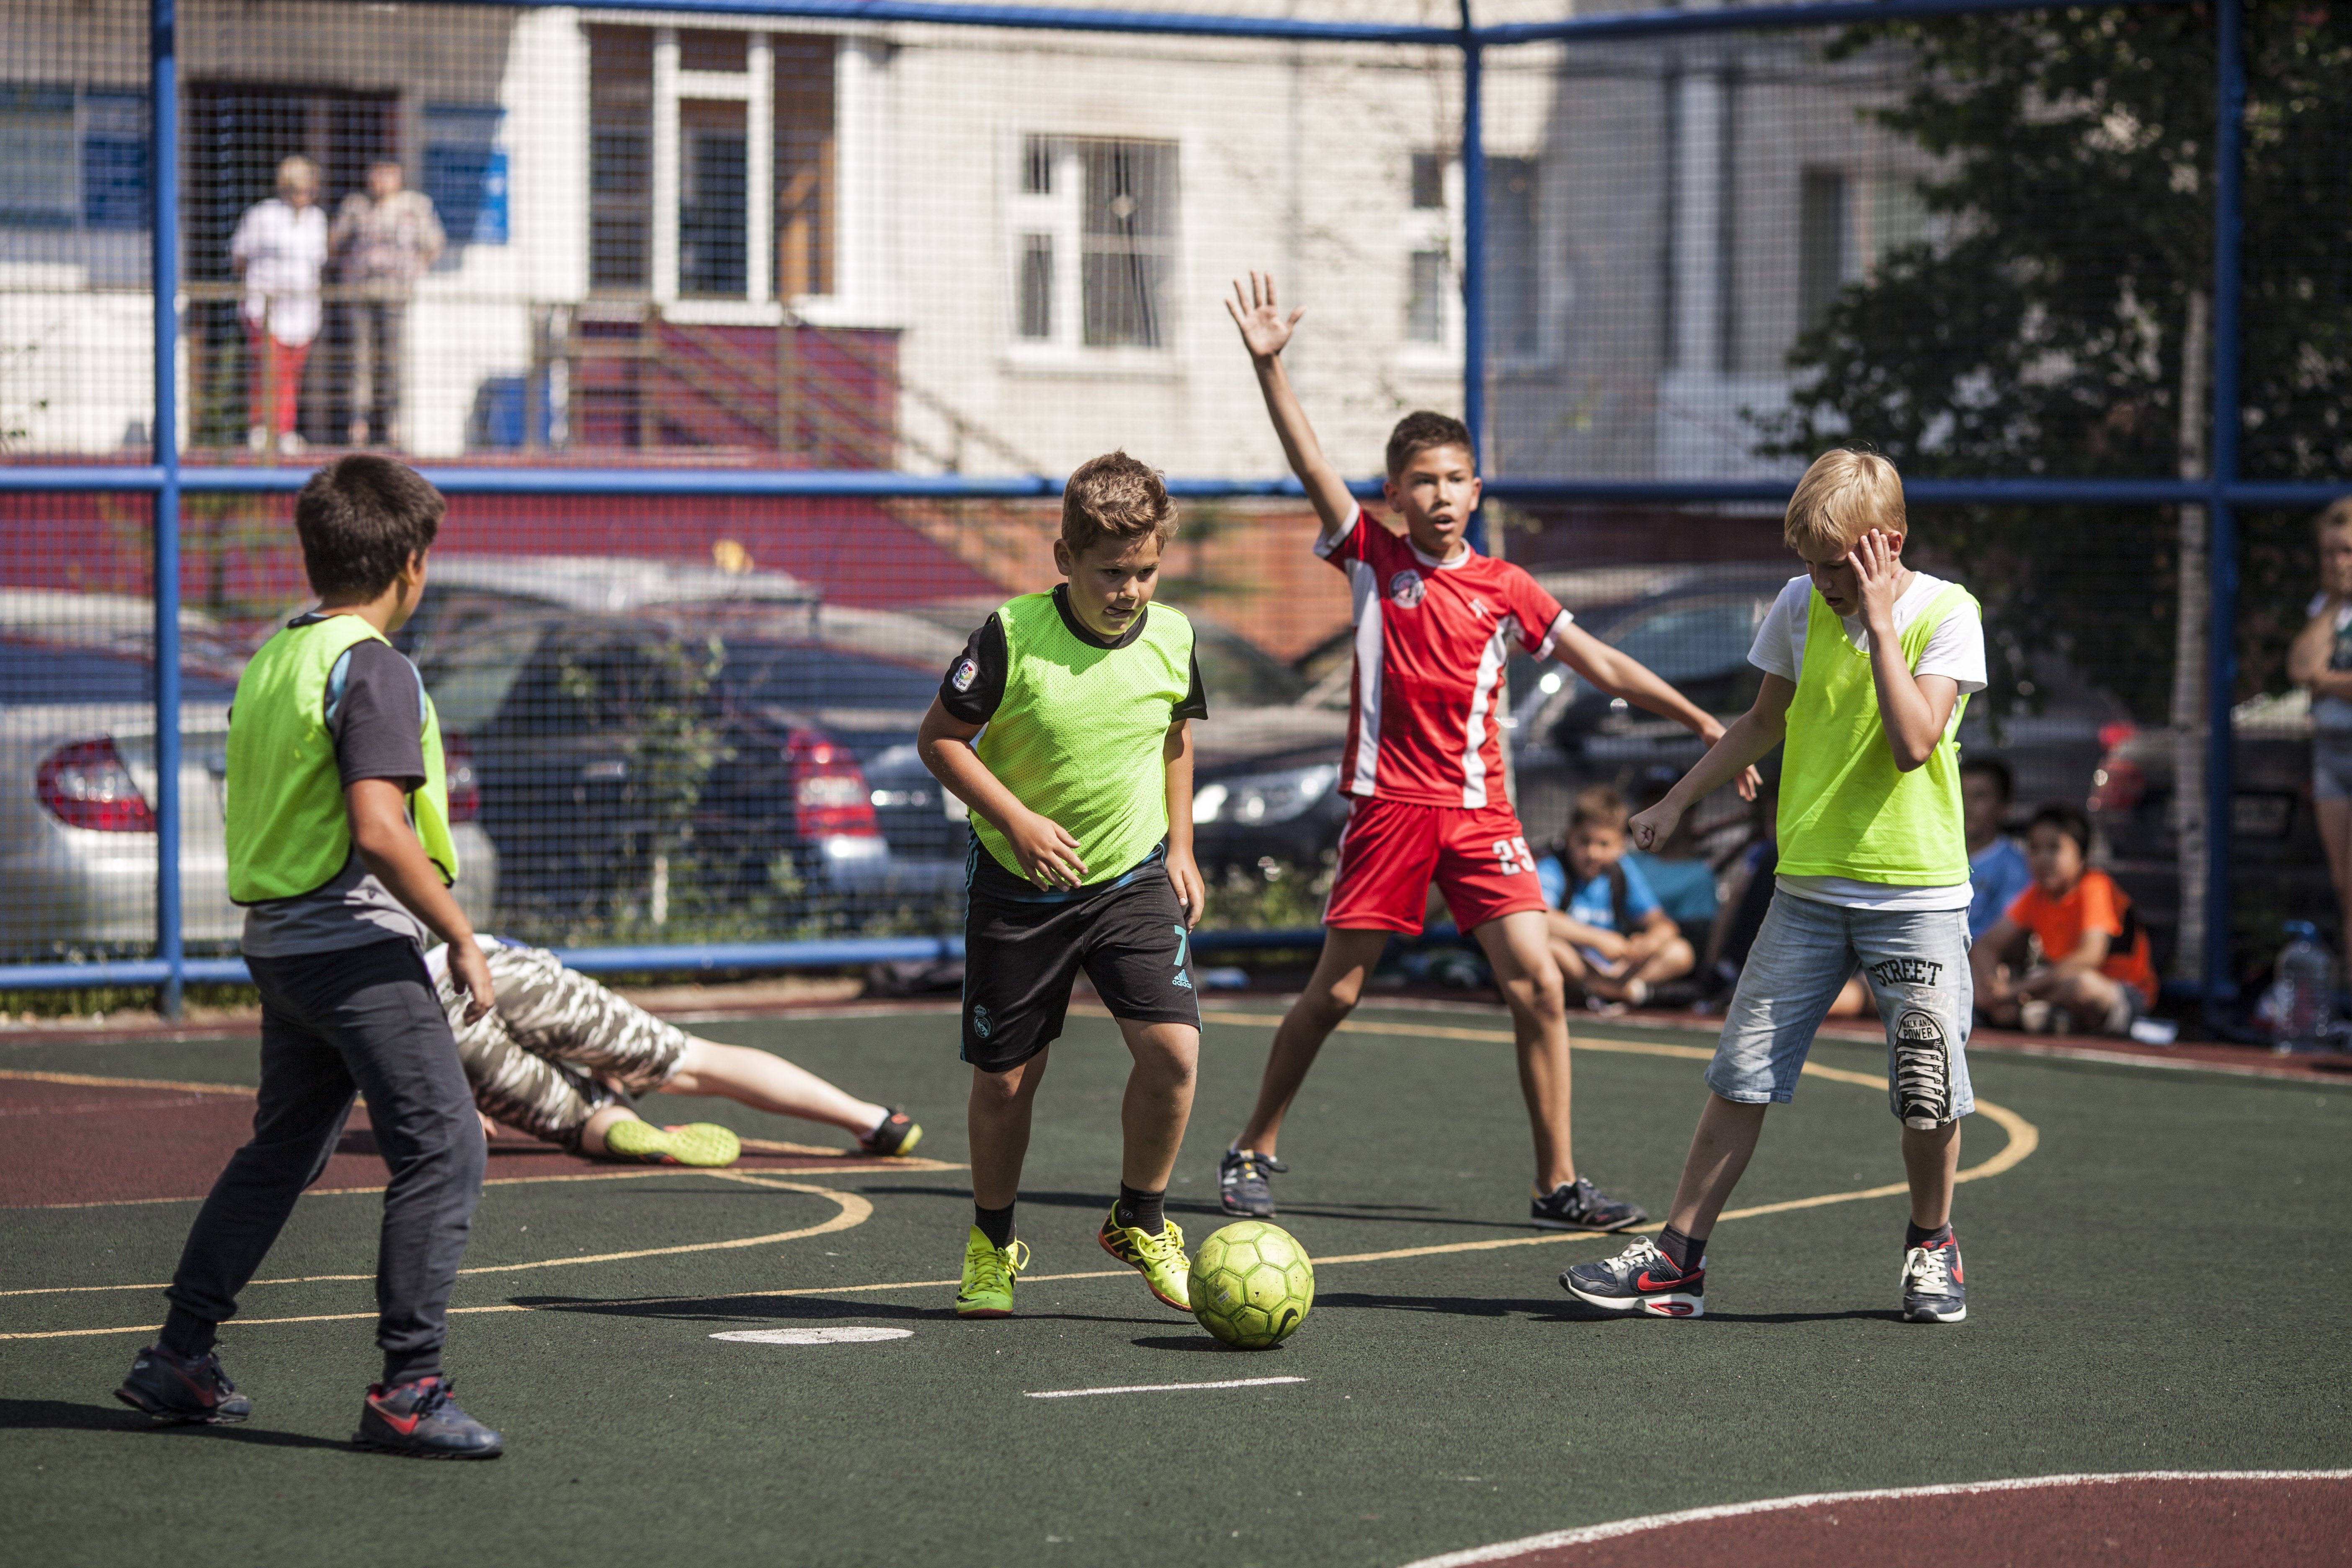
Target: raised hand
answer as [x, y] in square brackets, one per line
[1264, 330]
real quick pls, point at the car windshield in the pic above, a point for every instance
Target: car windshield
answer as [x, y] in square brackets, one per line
[38, 674]
[1236, 673]
[811, 675]
[1690, 638]
[470, 680]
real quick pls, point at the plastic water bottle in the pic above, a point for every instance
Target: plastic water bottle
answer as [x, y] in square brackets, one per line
[2306, 991]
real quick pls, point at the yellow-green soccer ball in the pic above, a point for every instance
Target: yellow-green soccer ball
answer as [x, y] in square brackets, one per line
[1252, 1284]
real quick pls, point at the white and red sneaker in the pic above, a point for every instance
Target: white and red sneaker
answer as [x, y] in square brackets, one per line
[1933, 1289]
[1639, 1279]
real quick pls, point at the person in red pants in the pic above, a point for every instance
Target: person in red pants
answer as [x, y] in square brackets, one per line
[278, 249]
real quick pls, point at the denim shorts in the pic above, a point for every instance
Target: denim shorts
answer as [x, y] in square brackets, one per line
[1916, 961]
[2331, 766]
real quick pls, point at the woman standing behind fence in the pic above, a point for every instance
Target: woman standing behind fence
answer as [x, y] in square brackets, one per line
[385, 239]
[2321, 663]
[279, 249]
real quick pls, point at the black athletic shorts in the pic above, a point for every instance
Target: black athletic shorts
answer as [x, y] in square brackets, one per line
[1022, 948]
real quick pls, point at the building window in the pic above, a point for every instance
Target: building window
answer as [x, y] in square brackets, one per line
[1820, 244]
[1424, 309]
[114, 160]
[466, 171]
[804, 164]
[713, 205]
[1038, 286]
[37, 157]
[620, 157]
[1429, 231]
[1428, 182]
[1110, 204]
[1514, 325]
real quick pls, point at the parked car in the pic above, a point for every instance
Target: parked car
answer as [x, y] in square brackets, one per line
[76, 819]
[2280, 866]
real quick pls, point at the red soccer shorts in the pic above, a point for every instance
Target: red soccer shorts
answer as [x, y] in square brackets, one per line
[1392, 849]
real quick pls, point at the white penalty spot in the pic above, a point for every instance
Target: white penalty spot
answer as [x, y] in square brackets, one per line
[847, 1335]
[1165, 1387]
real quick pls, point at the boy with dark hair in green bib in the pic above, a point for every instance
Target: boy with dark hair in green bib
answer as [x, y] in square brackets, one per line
[339, 848]
[1867, 665]
[1063, 725]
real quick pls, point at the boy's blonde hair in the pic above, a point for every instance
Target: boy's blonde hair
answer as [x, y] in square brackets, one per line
[1597, 807]
[1842, 495]
[1116, 497]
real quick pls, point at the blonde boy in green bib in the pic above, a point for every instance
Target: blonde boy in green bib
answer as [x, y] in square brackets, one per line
[1867, 668]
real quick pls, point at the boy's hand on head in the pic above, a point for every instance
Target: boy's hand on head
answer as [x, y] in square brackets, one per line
[1264, 330]
[1877, 573]
[1184, 875]
[1048, 855]
[471, 970]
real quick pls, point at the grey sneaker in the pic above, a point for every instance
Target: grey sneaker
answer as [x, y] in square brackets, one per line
[1581, 1205]
[1933, 1290]
[1242, 1186]
[170, 1388]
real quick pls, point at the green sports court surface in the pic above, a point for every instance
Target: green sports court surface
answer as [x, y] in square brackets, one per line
[2153, 1263]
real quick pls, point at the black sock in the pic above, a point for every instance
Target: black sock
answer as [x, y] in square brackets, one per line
[1914, 1235]
[414, 1367]
[995, 1224]
[1686, 1250]
[1147, 1212]
[185, 1335]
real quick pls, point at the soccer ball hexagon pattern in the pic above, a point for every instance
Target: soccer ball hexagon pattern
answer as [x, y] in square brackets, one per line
[1252, 1284]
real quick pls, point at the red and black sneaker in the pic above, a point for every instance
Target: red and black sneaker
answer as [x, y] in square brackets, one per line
[897, 1133]
[176, 1388]
[1933, 1289]
[421, 1421]
[1639, 1279]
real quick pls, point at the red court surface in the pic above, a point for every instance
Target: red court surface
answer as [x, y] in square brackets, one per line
[103, 1140]
[2249, 1520]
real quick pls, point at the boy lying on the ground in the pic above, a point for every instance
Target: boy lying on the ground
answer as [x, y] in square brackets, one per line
[555, 1055]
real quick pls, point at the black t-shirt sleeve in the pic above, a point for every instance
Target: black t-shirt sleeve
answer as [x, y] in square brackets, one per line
[379, 720]
[1196, 700]
[974, 687]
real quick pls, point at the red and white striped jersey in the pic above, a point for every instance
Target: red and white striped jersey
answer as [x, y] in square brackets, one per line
[1430, 640]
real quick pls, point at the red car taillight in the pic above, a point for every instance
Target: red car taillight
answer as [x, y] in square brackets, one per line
[2117, 785]
[465, 793]
[86, 786]
[828, 788]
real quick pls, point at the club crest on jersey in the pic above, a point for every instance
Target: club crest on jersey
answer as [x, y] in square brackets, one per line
[966, 672]
[1406, 588]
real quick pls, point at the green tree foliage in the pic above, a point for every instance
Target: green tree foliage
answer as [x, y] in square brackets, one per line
[2040, 330]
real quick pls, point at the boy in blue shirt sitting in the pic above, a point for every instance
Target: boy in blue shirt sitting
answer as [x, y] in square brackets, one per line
[1610, 935]
[1996, 870]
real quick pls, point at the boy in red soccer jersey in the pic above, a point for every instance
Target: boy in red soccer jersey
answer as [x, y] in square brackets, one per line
[1434, 622]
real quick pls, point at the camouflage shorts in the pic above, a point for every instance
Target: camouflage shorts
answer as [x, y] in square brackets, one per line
[532, 1058]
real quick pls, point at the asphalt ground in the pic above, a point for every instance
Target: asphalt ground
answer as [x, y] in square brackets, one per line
[2153, 1263]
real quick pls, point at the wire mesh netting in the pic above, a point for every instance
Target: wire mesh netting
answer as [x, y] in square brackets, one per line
[527, 241]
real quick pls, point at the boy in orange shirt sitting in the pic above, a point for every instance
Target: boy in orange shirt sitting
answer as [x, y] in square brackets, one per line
[2094, 970]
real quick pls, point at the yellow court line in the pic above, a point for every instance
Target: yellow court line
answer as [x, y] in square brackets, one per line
[89, 1081]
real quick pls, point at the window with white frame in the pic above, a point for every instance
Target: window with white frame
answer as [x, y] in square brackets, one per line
[1432, 294]
[72, 158]
[1094, 235]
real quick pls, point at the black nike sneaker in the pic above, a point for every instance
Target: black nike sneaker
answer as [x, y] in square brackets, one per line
[420, 1421]
[1933, 1291]
[1639, 1279]
[896, 1133]
[1242, 1186]
[174, 1388]
[1581, 1205]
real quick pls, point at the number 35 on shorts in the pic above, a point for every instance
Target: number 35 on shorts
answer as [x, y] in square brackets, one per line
[1514, 857]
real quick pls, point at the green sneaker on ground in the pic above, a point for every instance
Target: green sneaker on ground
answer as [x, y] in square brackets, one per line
[988, 1273]
[1159, 1258]
[695, 1143]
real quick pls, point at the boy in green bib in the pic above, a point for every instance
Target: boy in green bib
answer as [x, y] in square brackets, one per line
[1064, 726]
[1867, 666]
[339, 848]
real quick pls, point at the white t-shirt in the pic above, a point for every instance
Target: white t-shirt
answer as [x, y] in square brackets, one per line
[283, 250]
[1954, 649]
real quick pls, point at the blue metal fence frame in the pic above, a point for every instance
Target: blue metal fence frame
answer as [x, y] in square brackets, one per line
[2221, 491]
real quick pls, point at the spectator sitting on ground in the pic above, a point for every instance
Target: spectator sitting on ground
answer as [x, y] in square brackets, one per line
[1997, 868]
[2094, 969]
[1610, 935]
[553, 1055]
[385, 239]
[279, 248]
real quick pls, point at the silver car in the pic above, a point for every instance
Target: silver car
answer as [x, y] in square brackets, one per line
[77, 779]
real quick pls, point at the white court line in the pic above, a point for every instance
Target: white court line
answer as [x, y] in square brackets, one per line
[1164, 1387]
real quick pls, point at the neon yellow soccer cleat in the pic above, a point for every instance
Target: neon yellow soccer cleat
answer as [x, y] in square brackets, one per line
[988, 1275]
[694, 1143]
[1159, 1258]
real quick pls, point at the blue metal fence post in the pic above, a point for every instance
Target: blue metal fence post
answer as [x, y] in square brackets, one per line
[163, 217]
[1473, 259]
[2222, 669]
